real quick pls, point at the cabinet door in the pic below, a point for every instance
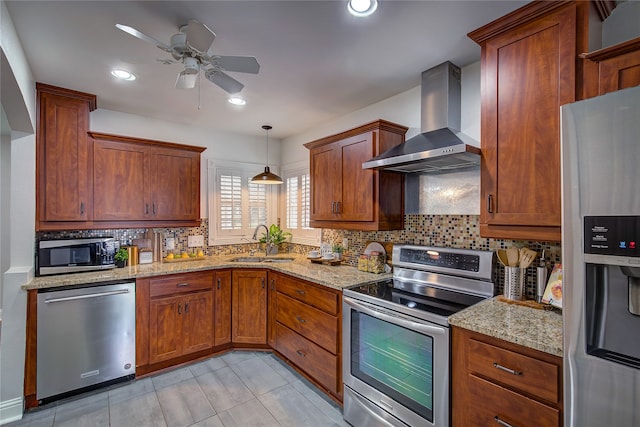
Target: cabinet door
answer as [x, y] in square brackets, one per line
[357, 185]
[165, 328]
[121, 180]
[326, 176]
[619, 72]
[222, 308]
[249, 313]
[175, 183]
[527, 74]
[64, 186]
[197, 329]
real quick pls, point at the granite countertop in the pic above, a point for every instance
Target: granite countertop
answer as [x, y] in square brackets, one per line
[336, 277]
[530, 327]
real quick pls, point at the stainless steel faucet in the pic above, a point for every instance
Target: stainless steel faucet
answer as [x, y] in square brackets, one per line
[269, 245]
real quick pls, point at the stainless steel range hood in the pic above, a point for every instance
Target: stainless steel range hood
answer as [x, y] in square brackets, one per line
[441, 146]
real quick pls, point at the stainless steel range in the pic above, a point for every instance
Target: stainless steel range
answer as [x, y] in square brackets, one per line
[396, 336]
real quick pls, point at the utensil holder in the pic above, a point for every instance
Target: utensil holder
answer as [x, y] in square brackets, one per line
[514, 283]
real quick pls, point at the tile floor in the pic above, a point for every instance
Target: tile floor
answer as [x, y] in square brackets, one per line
[236, 389]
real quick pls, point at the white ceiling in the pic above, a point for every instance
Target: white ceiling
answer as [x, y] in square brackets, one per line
[317, 62]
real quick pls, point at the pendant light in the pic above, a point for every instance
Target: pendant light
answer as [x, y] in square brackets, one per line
[267, 177]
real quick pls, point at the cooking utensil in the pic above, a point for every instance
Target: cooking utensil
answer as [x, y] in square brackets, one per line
[512, 256]
[502, 257]
[527, 256]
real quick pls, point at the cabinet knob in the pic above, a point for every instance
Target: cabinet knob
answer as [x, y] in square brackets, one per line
[299, 291]
[301, 353]
[300, 319]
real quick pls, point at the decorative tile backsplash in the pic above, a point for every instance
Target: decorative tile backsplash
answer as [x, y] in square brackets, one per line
[456, 231]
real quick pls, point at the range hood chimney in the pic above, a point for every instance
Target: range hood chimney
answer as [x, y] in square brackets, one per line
[441, 146]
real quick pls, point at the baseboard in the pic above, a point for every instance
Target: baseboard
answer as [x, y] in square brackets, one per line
[11, 410]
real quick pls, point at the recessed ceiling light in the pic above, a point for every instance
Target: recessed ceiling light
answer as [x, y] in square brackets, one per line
[122, 74]
[236, 100]
[362, 8]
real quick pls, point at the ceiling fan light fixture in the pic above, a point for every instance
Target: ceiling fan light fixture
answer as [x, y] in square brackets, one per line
[362, 8]
[123, 74]
[236, 100]
[266, 177]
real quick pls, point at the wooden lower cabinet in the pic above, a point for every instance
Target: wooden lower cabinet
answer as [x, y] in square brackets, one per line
[304, 328]
[249, 307]
[180, 323]
[495, 382]
[222, 308]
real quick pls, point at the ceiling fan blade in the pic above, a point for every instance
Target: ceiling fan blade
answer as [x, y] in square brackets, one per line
[240, 64]
[225, 81]
[143, 37]
[199, 36]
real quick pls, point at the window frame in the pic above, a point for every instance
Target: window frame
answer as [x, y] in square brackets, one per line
[310, 237]
[217, 236]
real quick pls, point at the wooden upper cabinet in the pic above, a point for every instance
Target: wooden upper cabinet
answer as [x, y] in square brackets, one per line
[63, 190]
[343, 195]
[612, 68]
[528, 68]
[142, 180]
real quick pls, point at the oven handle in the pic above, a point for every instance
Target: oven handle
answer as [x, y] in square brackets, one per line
[421, 327]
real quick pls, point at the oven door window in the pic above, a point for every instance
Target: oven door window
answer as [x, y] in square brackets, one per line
[394, 360]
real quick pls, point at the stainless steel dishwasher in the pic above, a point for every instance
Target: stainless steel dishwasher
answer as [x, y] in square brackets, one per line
[86, 338]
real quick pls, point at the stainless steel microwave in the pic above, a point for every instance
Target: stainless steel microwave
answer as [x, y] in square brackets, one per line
[74, 255]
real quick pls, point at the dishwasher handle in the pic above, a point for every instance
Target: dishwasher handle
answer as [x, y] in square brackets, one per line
[96, 295]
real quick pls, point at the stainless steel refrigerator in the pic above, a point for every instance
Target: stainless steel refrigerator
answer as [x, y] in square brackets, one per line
[601, 260]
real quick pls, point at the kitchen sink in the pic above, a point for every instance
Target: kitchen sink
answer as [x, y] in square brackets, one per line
[260, 259]
[247, 259]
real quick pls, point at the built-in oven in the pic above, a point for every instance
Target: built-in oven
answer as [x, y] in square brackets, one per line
[396, 337]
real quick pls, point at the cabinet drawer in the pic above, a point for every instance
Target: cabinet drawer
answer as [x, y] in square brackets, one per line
[313, 324]
[530, 375]
[323, 299]
[314, 360]
[510, 407]
[181, 283]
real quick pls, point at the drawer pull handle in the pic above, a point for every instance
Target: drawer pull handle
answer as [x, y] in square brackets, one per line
[502, 368]
[218, 283]
[299, 291]
[179, 308]
[300, 319]
[273, 284]
[186, 307]
[182, 285]
[502, 423]
[490, 203]
[301, 353]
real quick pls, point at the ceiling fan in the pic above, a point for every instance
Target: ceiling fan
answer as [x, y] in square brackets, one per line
[190, 47]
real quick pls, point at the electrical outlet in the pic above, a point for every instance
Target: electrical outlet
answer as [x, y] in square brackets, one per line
[195, 241]
[170, 243]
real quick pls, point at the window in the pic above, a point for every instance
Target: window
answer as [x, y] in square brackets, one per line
[236, 205]
[297, 204]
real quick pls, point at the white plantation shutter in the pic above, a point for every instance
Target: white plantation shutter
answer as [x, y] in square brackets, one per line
[230, 202]
[292, 202]
[305, 201]
[257, 204]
